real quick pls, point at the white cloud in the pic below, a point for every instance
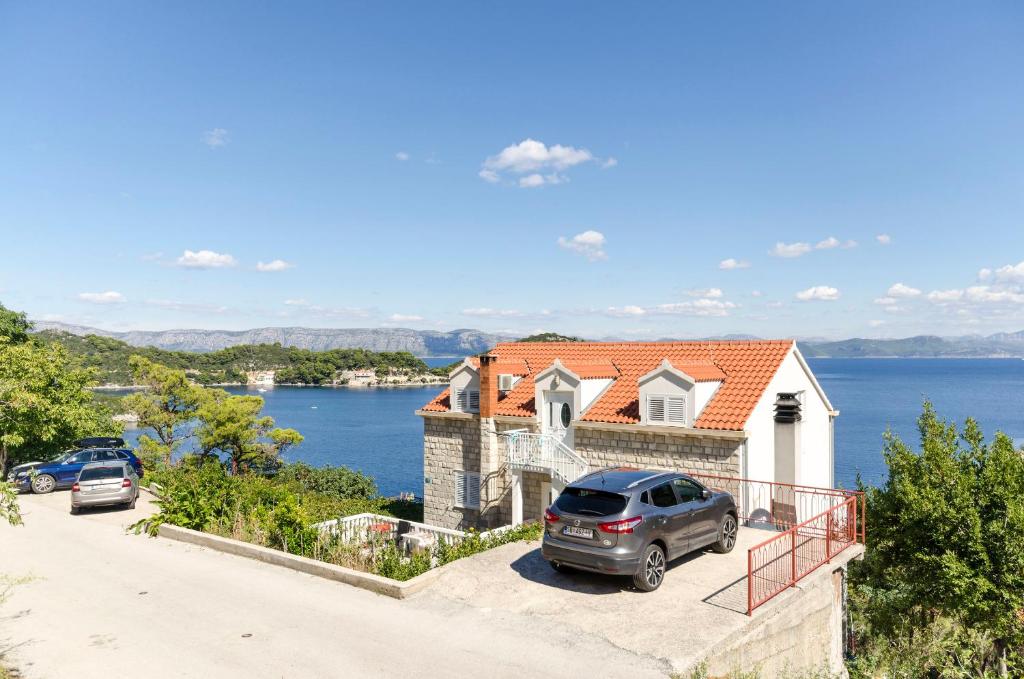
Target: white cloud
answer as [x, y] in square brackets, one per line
[699, 307]
[904, 291]
[108, 297]
[790, 250]
[402, 155]
[205, 259]
[820, 293]
[531, 181]
[1011, 273]
[487, 312]
[991, 295]
[608, 163]
[945, 296]
[833, 242]
[296, 302]
[404, 318]
[730, 264]
[755, 293]
[273, 265]
[626, 311]
[175, 305]
[883, 238]
[886, 301]
[589, 243]
[216, 137]
[714, 293]
[532, 158]
[875, 323]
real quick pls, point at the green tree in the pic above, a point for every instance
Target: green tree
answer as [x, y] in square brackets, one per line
[943, 578]
[45, 403]
[234, 426]
[167, 406]
[14, 326]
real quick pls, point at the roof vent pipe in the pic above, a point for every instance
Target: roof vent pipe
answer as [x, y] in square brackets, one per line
[787, 408]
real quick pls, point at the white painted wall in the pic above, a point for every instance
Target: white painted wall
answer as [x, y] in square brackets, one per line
[702, 393]
[590, 390]
[815, 465]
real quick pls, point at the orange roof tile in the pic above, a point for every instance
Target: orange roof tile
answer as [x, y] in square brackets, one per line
[744, 367]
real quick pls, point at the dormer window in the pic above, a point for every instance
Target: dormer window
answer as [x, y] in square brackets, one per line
[666, 409]
[465, 400]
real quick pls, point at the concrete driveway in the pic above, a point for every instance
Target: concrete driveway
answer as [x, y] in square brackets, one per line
[103, 603]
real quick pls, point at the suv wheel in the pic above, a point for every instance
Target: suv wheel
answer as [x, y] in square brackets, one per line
[651, 572]
[44, 483]
[726, 535]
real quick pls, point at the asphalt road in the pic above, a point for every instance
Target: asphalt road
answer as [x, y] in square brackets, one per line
[103, 603]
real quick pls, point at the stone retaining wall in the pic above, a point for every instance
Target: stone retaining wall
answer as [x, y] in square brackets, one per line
[684, 452]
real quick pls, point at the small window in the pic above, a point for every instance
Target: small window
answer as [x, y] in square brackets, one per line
[566, 415]
[121, 455]
[465, 401]
[467, 490]
[687, 490]
[645, 497]
[80, 458]
[662, 496]
[105, 456]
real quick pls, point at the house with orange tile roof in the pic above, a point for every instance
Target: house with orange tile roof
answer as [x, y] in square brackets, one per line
[520, 422]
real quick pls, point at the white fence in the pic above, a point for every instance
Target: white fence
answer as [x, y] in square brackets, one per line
[527, 450]
[361, 527]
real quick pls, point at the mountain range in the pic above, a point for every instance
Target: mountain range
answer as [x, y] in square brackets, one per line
[466, 342]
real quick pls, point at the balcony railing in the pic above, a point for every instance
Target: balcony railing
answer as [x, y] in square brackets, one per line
[784, 559]
[543, 452]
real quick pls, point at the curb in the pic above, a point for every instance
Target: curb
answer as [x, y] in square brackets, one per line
[369, 581]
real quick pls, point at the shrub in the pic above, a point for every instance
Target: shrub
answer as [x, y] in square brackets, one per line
[339, 482]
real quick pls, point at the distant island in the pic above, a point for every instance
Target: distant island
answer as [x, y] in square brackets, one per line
[467, 342]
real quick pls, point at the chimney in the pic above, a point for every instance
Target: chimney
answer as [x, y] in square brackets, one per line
[488, 385]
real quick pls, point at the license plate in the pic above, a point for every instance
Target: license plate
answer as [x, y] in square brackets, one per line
[577, 532]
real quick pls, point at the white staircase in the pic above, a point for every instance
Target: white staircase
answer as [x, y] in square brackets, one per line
[543, 453]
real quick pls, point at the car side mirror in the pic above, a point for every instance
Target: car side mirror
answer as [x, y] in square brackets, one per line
[705, 494]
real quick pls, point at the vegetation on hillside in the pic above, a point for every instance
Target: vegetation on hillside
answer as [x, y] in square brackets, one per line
[940, 592]
[111, 359]
[550, 337]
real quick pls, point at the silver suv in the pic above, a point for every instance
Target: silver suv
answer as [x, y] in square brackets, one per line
[632, 522]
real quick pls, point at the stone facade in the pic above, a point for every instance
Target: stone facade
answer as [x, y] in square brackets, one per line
[649, 450]
[450, 444]
[475, 444]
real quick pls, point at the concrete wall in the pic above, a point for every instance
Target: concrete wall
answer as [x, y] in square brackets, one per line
[802, 632]
[682, 452]
[450, 444]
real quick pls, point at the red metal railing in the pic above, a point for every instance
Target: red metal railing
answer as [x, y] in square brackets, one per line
[783, 560]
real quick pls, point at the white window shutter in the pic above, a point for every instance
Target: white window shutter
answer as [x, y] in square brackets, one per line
[455, 398]
[460, 489]
[473, 491]
[676, 409]
[655, 408]
[474, 402]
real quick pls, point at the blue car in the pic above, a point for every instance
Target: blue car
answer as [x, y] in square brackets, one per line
[62, 471]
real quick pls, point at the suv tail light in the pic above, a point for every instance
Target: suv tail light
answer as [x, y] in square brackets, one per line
[127, 483]
[550, 516]
[621, 526]
[75, 488]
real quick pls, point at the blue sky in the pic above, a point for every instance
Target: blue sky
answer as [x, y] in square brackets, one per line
[579, 167]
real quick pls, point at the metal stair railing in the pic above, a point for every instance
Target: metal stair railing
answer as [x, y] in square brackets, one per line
[543, 452]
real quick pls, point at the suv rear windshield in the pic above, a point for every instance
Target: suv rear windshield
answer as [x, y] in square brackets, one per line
[97, 473]
[590, 502]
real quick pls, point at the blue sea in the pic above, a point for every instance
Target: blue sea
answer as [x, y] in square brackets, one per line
[377, 432]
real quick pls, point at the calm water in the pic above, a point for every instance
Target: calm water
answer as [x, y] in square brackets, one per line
[375, 430]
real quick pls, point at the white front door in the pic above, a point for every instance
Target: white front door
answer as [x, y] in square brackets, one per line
[557, 416]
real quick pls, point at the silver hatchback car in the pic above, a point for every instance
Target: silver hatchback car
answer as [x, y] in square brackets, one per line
[105, 483]
[632, 522]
